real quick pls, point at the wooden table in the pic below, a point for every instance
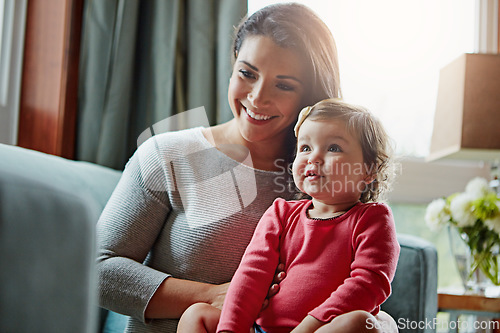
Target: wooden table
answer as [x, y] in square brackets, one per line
[458, 304]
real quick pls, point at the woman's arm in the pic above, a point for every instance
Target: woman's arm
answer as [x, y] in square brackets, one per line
[127, 229]
[174, 296]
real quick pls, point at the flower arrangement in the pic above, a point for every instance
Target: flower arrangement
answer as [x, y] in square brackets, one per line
[475, 214]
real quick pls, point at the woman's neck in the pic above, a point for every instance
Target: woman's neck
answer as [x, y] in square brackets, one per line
[265, 155]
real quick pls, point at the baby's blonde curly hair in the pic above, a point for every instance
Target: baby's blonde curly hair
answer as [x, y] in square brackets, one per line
[375, 143]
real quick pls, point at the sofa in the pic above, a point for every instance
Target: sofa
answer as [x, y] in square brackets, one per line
[48, 209]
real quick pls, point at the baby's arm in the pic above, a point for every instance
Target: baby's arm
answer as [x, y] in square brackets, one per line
[250, 284]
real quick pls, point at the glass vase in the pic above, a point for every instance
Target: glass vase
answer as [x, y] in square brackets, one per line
[472, 266]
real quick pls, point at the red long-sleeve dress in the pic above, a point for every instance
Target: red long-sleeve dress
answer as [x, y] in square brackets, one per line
[332, 266]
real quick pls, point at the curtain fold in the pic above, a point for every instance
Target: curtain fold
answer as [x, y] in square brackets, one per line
[143, 61]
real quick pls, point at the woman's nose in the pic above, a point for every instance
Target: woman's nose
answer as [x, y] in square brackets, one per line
[259, 95]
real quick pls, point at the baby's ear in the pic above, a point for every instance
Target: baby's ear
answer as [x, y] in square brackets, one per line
[371, 175]
[370, 179]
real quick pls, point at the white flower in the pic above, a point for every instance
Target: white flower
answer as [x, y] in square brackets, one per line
[436, 216]
[461, 209]
[478, 187]
[494, 222]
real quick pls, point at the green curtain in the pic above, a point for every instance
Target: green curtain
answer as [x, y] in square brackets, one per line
[144, 61]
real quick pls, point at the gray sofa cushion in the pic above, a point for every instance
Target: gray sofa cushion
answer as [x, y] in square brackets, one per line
[413, 302]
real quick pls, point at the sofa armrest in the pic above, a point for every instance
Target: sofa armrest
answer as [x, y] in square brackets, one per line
[47, 247]
[413, 301]
[48, 210]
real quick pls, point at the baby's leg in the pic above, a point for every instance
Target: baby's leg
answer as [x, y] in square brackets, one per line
[358, 322]
[199, 318]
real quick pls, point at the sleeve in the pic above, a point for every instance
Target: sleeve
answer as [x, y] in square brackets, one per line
[127, 228]
[376, 252]
[251, 282]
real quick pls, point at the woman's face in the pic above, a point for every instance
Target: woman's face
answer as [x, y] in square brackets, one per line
[266, 90]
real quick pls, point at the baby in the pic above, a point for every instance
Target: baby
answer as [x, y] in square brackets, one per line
[338, 246]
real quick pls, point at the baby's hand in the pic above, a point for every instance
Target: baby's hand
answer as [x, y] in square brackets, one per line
[275, 287]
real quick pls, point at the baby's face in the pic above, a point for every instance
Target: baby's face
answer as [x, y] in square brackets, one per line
[329, 163]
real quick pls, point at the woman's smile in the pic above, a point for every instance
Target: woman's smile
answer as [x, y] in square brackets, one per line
[257, 116]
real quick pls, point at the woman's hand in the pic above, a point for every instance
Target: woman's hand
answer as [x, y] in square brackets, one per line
[275, 287]
[174, 296]
[218, 294]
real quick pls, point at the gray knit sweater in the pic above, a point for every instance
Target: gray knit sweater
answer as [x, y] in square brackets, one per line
[182, 208]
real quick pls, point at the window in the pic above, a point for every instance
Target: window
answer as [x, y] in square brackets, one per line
[390, 54]
[2, 5]
[4, 22]
[12, 19]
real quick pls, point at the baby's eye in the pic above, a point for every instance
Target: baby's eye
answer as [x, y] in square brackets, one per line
[247, 74]
[335, 148]
[304, 148]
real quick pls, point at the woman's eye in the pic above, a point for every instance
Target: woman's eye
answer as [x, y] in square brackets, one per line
[334, 148]
[285, 87]
[247, 74]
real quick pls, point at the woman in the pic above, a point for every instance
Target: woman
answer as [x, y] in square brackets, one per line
[179, 220]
